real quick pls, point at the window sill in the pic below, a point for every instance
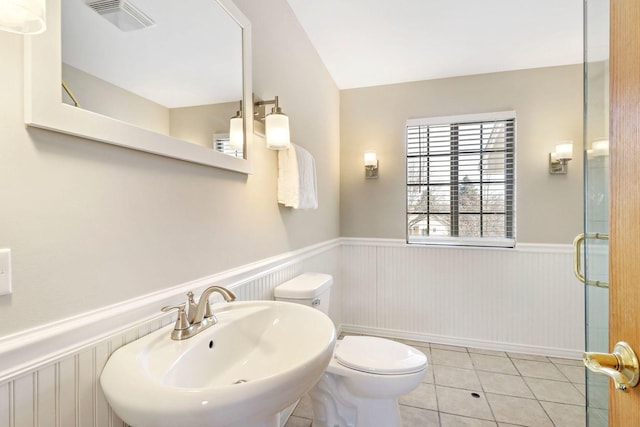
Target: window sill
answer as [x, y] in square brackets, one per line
[461, 241]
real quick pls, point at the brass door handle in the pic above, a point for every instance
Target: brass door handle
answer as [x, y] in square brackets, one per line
[577, 258]
[621, 365]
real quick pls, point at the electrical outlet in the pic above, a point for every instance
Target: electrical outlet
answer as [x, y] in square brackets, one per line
[5, 271]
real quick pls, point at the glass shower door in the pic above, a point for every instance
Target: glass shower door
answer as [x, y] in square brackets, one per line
[596, 221]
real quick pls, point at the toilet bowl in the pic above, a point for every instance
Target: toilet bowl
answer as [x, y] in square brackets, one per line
[361, 385]
[363, 381]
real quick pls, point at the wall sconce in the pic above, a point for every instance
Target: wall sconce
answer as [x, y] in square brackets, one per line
[600, 148]
[236, 132]
[23, 17]
[276, 125]
[370, 165]
[558, 159]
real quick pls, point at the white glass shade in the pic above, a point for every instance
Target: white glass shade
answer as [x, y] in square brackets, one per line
[277, 131]
[370, 158]
[236, 135]
[564, 151]
[23, 16]
[600, 147]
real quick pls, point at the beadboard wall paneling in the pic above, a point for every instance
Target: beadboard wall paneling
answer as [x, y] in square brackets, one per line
[524, 299]
[359, 272]
[62, 388]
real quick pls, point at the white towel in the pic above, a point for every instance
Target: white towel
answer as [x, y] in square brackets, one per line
[297, 186]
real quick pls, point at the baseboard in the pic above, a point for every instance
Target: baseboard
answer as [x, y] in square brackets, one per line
[463, 342]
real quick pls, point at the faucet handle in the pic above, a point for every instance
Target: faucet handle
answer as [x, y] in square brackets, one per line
[181, 322]
[193, 307]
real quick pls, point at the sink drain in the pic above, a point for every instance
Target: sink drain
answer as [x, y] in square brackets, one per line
[240, 381]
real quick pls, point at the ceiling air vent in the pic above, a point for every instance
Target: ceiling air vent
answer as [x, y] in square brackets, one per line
[122, 14]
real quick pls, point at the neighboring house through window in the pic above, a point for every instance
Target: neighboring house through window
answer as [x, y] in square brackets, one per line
[461, 180]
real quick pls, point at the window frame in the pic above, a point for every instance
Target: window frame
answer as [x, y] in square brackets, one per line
[510, 196]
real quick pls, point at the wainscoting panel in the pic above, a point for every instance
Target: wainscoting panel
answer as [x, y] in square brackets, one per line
[359, 297]
[63, 388]
[524, 299]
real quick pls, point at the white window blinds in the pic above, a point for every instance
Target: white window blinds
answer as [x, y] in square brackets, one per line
[222, 144]
[461, 179]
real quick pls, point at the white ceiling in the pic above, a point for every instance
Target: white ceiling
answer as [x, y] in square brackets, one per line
[191, 56]
[376, 42]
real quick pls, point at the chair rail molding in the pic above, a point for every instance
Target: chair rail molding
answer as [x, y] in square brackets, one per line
[30, 349]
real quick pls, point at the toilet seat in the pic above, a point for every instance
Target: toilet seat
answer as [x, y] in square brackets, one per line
[379, 356]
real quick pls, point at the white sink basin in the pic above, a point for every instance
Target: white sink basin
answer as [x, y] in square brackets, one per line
[257, 360]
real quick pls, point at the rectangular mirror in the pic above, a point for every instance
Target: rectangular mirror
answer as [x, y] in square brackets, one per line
[156, 76]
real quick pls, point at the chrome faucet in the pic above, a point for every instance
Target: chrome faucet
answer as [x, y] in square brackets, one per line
[199, 317]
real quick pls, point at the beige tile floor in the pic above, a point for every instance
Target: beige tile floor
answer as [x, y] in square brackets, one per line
[514, 390]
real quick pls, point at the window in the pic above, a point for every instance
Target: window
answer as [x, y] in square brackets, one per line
[460, 180]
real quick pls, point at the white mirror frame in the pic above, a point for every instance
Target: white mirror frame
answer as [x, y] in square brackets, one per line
[43, 107]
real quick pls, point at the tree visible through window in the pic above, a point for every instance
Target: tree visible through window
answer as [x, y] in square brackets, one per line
[460, 180]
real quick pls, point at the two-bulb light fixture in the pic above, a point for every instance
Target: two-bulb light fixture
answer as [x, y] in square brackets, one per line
[276, 124]
[23, 16]
[371, 165]
[560, 157]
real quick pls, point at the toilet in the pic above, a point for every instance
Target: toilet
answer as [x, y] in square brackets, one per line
[361, 385]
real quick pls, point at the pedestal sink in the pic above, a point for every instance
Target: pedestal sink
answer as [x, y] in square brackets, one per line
[257, 360]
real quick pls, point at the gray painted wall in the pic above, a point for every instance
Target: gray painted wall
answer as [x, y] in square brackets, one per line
[91, 224]
[548, 104]
[105, 98]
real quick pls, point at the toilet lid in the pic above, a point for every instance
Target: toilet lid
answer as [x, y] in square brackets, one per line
[379, 356]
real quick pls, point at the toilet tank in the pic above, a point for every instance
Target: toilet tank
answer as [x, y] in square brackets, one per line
[312, 289]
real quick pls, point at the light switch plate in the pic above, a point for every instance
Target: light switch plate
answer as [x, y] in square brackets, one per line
[5, 271]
